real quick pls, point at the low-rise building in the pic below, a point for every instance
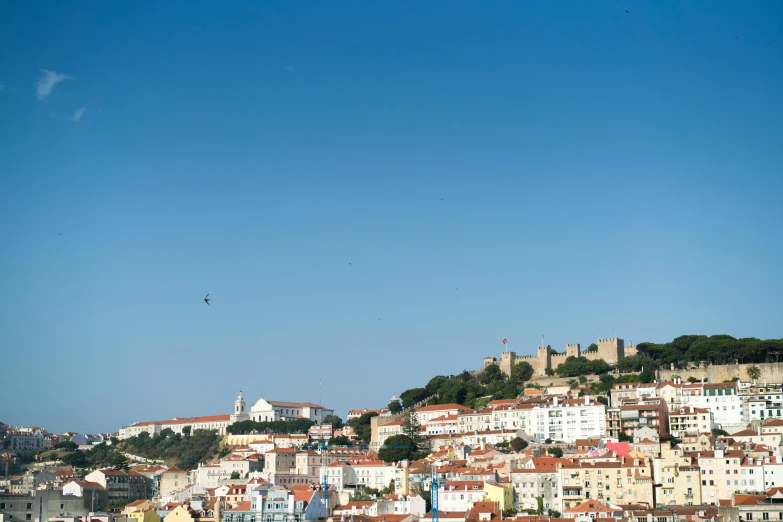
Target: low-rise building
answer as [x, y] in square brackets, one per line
[121, 484]
[458, 495]
[688, 419]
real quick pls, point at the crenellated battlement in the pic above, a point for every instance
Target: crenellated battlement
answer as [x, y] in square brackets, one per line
[609, 349]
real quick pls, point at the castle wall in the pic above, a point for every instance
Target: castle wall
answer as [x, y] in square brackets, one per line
[610, 350]
[770, 372]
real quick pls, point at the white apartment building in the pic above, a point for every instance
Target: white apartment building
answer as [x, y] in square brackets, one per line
[389, 430]
[568, 420]
[373, 473]
[426, 413]
[457, 495]
[443, 425]
[531, 483]
[688, 419]
[177, 425]
[559, 419]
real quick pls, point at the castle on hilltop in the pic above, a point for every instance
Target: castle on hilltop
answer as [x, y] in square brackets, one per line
[610, 350]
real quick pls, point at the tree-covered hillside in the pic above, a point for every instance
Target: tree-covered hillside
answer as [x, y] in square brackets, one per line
[471, 390]
[184, 451]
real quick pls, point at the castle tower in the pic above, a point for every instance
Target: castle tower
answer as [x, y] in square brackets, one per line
[544, 359]
[611, 350]
[573, 350]
[507, 361]
[239, 414]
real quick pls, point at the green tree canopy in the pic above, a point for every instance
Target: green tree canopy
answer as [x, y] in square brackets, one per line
[491, 374]
[334, 420]
[342, 440]
[76, 459]
[576, 366]
[434, 384]
[362, 427]
[522, 371]
[395, 407]
[397, 448]
[66, 445]
[518, 444]
[555, 451]
[410, 397]
[249, 426]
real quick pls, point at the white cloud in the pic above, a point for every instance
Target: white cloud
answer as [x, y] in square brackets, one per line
[47, 82]
[78, 114]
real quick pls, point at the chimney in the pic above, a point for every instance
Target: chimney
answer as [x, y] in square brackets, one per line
[759, 429]
[554, 401]
[587, 400]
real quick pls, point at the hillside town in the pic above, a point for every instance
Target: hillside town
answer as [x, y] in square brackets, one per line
[663, 451]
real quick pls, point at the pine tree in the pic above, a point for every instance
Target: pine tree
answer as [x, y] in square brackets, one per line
[412, 428]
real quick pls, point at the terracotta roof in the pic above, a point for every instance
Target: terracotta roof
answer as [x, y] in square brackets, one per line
[468, 485]
[439, 407]
[589, 506]
[242, 506]
[745, 433]
[446, 514]
[174, 470]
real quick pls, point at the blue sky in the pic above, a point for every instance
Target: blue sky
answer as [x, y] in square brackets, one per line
[488, 170]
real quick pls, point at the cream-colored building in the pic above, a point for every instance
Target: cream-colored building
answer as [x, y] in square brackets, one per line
[679, 474]
[172, 479]
[388, 430]
[625, 481]
[721, 474]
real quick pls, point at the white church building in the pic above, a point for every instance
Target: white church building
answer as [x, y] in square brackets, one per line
[267, 411]
[261, 411]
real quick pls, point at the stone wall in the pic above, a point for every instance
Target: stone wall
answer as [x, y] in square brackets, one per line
[610, 350]
[770, 372]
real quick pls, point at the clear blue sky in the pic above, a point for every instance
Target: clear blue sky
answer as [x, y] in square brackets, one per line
[488, 170]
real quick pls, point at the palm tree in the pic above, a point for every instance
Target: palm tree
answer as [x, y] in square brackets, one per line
[753, 372]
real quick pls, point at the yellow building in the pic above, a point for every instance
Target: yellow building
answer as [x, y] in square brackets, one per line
[136, 505]
[179, 514]
[503, 494]
[147, 515]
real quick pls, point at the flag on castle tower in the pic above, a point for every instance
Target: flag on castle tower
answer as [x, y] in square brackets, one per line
[505, 340]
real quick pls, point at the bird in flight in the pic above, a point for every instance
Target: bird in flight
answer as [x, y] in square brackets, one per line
[627, 11]
[206, 298]
[350, 264]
